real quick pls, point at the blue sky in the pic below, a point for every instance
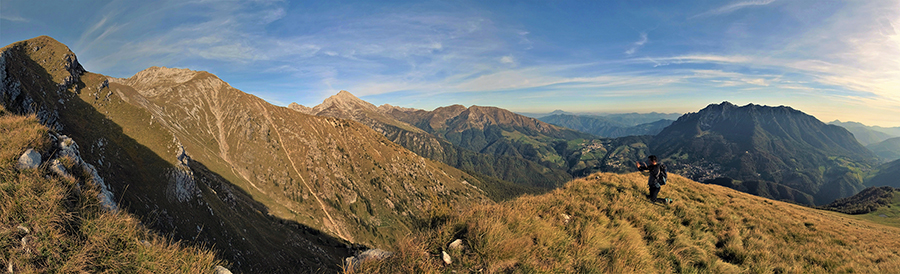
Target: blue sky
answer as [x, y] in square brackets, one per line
[831, 59]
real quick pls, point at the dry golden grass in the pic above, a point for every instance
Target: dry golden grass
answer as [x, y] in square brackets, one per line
[605, 224]
[53, 224]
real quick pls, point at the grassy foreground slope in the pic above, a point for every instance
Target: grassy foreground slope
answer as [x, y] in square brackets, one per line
[604, 223]
[51, 224]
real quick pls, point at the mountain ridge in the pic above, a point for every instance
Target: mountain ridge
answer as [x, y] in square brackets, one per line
[603, 223]
[601, 126]
[775, 144]
[531, 177]
[204, 162]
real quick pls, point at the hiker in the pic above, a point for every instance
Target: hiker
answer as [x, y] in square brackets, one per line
[657, 177]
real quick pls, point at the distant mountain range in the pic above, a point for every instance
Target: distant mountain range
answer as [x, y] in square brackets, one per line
[888, 150]
[605, 127]
[630, 119]
[883, 141]
[868, 135]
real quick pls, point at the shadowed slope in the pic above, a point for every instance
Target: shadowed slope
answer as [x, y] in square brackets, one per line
[50, 223]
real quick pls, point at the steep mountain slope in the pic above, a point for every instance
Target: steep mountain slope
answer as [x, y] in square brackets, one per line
[495, 131]
[888, 150]
[605, 127]
[604, 224]
[868, 135]
[886, 175]
[498, 173]
[777, 145]
[53, 219]
[274, 190]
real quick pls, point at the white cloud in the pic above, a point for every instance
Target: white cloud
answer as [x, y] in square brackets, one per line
[13, 18]
[638, 44]
[733, 7]
[508, 60]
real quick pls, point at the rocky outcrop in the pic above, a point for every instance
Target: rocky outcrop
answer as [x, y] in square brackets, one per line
[300, 108]
[182, 186]
[68, 148]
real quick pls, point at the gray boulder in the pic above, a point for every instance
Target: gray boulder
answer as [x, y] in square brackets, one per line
[29, 160]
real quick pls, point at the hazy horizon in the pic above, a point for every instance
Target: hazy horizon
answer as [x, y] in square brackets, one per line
[835, 60]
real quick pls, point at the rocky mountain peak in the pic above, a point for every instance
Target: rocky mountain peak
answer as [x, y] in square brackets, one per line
[344, 100]
[161, 76]
[44, 53]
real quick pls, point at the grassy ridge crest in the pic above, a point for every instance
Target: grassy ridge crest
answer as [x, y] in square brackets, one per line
[604, 223]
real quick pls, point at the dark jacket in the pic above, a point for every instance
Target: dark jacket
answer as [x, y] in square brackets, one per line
[654, 173]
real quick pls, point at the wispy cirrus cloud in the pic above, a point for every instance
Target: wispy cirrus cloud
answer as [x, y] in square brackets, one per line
[13, 18]
[637, 45]
[733, 7]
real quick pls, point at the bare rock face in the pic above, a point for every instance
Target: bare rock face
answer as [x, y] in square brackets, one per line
[301, 108]
[68, 147]
[30, 159]
[182, 186]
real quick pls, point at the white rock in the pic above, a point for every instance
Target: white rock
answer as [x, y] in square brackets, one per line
[371, 254]
[566, 218]
[30, 159]
[57, 167]
[377, 254]
[221, 270]
[446, 257]
[456, 245]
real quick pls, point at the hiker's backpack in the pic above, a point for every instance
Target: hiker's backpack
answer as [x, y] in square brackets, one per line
[661, 177]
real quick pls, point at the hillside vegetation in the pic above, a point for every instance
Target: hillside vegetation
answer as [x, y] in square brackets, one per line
[604, 223]
[865, 201]
[53, 224]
